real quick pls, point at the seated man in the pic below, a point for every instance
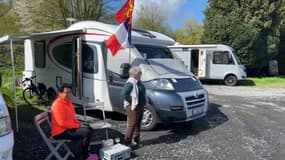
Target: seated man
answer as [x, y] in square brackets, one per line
[64, 123]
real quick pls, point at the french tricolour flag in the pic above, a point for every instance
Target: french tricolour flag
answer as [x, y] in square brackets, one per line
[121, 38]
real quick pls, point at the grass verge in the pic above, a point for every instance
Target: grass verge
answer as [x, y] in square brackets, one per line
[278, 81]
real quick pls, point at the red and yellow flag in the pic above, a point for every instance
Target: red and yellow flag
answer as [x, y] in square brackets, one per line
[126, 12]
[122, 36]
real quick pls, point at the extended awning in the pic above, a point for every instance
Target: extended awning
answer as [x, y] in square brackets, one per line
[20, 39]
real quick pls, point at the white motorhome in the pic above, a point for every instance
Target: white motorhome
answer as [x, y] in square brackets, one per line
[211, 61]
[78, 55]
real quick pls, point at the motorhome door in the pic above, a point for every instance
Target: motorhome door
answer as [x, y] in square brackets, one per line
[194, 63]
[202, 64]
[84, 71]
[115, 80]
[77, 68]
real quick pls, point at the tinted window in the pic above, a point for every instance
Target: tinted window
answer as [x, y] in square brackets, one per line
[63, 55]
[39, 51]
[151, 52]
[236, 57]
[221, 57]
[89, 64]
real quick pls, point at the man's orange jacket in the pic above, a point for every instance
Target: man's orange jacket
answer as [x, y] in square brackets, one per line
[62, 116]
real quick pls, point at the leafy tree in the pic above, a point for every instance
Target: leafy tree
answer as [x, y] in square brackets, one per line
[9, 25]
[249, 26]
[4, 7]
[190, 33]
[281, 55]
[9, 21]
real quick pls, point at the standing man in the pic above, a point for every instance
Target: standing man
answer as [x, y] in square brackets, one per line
[64, 123]
[134, 95]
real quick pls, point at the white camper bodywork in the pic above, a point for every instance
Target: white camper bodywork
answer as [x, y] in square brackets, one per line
[6, 131]
[211, 61]
[78, 55]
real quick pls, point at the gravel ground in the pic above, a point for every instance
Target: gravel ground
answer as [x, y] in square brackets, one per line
[30, 146]
[243, 123]
[245, 91]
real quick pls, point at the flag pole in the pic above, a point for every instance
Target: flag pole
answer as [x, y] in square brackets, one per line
[129, 55]
[124, 18]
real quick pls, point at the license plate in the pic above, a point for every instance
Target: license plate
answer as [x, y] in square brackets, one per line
[196, 111]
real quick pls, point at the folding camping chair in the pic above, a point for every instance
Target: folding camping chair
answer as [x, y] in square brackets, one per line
[43, 125]
[96, 124]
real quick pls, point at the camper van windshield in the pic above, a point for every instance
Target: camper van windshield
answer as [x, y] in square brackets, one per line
[236, 57]
[152, 52]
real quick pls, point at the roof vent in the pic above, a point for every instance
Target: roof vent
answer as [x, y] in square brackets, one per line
[144, 33]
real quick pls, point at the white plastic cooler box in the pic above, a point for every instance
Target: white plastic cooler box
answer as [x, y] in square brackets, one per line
[115, 152]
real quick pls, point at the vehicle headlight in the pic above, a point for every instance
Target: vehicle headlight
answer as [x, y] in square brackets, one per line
[5, 126]
[162, 84]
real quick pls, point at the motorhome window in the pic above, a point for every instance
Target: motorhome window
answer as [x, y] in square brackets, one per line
[236, 57]
[222, 57]
[152, 52]
[90, 64]
[39, 51]
[62, 54]
[185, 49]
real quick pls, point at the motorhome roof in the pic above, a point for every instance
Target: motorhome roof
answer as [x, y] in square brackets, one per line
[138, 35]
[199, 46]
[93, 25]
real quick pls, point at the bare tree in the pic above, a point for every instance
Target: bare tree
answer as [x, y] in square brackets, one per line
[46, 15]
[150, 17]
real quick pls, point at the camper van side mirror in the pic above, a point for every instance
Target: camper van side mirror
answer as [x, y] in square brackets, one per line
[124, 70]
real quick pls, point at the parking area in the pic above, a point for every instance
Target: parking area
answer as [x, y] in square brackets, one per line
[243, 123]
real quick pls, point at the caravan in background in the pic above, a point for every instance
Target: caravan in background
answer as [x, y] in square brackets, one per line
[211, 61]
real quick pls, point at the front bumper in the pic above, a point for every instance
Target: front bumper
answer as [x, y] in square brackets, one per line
[171, 106]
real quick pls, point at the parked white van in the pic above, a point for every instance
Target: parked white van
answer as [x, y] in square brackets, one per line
[211, 61]
[78, 55]
[6, 132]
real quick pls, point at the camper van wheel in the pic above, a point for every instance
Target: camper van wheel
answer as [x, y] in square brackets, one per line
[149, 120]
[231, 80]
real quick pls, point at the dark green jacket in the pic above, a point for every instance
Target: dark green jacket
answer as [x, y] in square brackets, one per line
[126, 93]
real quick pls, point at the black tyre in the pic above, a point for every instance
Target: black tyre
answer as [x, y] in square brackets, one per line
[30, 97]
[150, 118]
[231, 80]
